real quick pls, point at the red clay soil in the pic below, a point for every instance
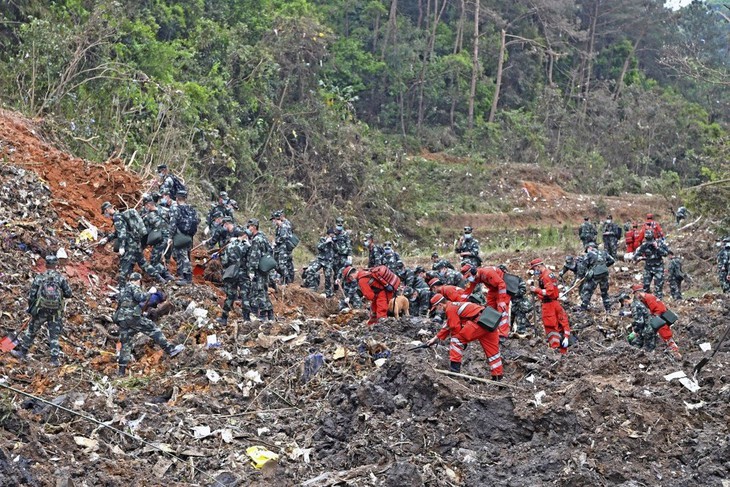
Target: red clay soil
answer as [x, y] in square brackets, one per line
[79, 187]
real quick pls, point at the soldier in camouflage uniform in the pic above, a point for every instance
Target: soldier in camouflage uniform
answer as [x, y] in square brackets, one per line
[282, 254]
[390, 256]
[467, 248]
[437, 262]
[653, 252]
[644, 335]
[310, 276]
[221, 208]
[450, 277]
[169, 183]
[343, 258]
[521, 309]
[128, 316]
[45, 305]
[420, 296]
[681, 214]
[325, 261]
[259, 295]
[587, 232]
[130, 245]
[676, 275]
[595, 258]
[375, 252]
[180, 213]
[611, 235]
[156, 220]
[723, 266]
[237, 285]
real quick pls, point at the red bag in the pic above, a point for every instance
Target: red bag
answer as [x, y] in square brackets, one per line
[385, 276]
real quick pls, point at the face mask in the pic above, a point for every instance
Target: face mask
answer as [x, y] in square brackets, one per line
[388, 251]
[471, 279]
[340, 228]
[467, 236]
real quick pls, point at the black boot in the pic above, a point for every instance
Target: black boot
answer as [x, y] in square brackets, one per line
[455, 366]
[497, 378]
[271, 315]
[122, 371]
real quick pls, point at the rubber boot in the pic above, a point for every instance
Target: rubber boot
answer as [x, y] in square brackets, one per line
[223, 319]
[497, 378]
[122, 371]
[246, 315]
[455, 366]
[271, 315]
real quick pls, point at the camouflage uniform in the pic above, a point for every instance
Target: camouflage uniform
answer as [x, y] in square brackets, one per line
[310, 276]
[130, 320]
[325, 261]
[521, 309]
[390, 257]
[216, 210]
[587, 232]
[451, 277]
[343, 251]
[132, 246]
[654, 252]
[259, 295]
[441, 263]
[221, 236]
[645, 336]
[469, 244]
[181, 255]
[420, 296]
[282, 254]
[681, 214]
[40, 315]
[375, 252]
[723, 267]
[236, 253]
[676, 276]
[154, 220]
[593, 258]
[611, 235]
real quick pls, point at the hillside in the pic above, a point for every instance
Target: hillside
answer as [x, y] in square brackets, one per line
[604, 414]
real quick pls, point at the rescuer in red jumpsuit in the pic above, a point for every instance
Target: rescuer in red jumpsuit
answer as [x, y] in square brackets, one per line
[373, 289]
[497, 297]
[461, 324]
[554, 318]
[657, 308]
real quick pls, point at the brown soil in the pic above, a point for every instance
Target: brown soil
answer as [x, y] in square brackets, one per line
[602, 415]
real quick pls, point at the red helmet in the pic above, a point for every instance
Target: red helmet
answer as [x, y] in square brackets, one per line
[649, 216]
[467, 269]
[434, 282]
[437, 299]
[347, 271]
[535, 262]
[637, 287]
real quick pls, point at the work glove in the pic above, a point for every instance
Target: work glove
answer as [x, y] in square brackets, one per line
[534, 289]
[153, 290]
[251, 275]
[566, 342]
[121, 251]
[389, 288]
[103, 241]
[502, 307]
[215, 255]
[346, 300]
[207, 230]
[589, 274]
[349, 260]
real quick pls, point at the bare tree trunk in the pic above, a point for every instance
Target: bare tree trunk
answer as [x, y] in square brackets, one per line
[420, 14]
[427, 57]
[498, 84]
[458, 45]
[376, 32]
[625, 68]
[475, 66]
[392, 27]
[589, 62]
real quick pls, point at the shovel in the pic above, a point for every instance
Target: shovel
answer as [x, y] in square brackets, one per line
[9, 343]
[704, 361]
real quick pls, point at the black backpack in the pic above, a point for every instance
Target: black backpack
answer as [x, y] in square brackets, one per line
[187, 220]
[177, 186]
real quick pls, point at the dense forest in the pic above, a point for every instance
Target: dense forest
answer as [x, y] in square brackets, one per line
[311, 104]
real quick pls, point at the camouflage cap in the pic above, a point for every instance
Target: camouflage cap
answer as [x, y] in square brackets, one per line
[105, 205]
[223, 194]
[181, 194]
[253, 222]
[468, 229]
[339, 220]
[135, 276]
[147, 198]
[275, 214]
[51, 260]
[227, 219]
[161, 167]
[233, 204]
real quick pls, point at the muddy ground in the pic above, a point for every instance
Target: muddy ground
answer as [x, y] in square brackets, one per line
[373, 413]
